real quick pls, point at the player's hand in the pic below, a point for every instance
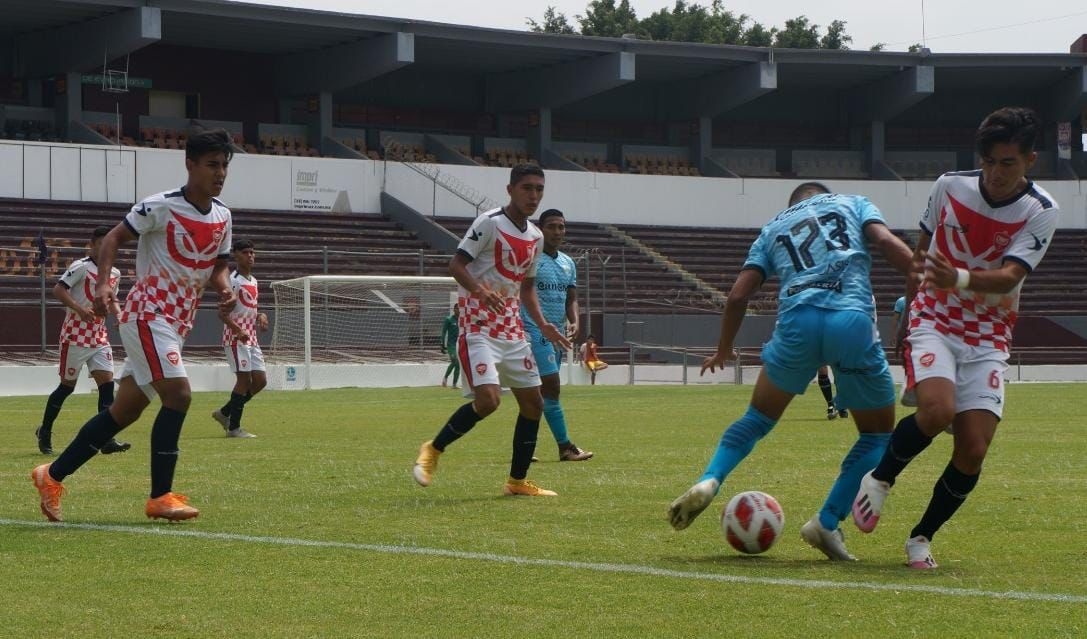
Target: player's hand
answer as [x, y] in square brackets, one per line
[86, 313]
[717, 361]
[242, 336]
[262, 321]
[227, 300]
[491, 300]
[552, 333]
[572, 329]
[103, 298]
[939, 272]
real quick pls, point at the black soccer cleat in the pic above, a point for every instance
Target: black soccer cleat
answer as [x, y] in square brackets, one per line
[45, 440]
[114, 446]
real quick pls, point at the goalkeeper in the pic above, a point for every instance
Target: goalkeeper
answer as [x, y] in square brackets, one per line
[449, 345]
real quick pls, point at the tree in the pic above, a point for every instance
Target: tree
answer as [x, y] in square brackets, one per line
[604, 18]
[759, 36]
[836, 37]
[798, 33]
[879, 46]
[553, 22]
[915, 48]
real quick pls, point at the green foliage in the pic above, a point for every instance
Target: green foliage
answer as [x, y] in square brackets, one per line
[553, 22]
[690, 21]
[334, 466]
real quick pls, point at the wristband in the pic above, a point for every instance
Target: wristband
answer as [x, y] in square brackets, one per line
[964, 279]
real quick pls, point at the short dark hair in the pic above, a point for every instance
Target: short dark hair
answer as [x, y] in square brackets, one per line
[241, 245]
[519, 171]
[201, 143]
[100, 231]
[1016, 125]
[548, 214]
[807, 190]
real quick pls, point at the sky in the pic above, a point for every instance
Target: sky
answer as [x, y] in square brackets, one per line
[949, 26]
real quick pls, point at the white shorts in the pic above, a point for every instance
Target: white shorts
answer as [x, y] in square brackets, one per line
[152, 353]
[72, 359]
[976, 371]
[485, 360]
[244, 358]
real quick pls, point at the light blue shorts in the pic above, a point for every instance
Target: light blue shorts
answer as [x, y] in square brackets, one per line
[807, 337]
[548, 357]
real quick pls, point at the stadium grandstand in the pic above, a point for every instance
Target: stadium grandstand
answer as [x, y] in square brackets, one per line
[366, 145]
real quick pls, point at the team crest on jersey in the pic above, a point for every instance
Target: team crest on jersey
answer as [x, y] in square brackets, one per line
[173, 357]
[927, 359]
[71, 371]
[481, 368]
[244, 363]
[513, 255]
[193, 243]
[247, 295]
[969, 239]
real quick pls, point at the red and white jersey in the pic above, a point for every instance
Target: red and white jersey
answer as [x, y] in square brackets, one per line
[502, 256]
[177, 251]
[245, 311]
[80, 280]
[975, 233]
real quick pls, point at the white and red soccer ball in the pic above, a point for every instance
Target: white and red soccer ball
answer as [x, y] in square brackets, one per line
[752, 522]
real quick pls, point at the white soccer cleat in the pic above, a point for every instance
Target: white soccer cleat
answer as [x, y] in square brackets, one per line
[240, 433]
[918, 555]
[690, 504]
[829, 542]
[869, 502]
[223, 420]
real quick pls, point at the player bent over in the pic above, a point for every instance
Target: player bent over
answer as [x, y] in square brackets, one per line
[240, 342]
[183, 236]
[83, 340]
[982, 233]
[826, 313]
[495, 265]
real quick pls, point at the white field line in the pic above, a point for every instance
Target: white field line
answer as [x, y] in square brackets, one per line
[629, 569]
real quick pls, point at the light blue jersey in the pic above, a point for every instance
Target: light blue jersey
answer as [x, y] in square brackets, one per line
[818, 251]
[553, 276]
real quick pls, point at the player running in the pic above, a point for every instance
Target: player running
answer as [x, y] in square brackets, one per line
[818, 249]
[495, 268]
[982, 233]
[556, 288]
[84, 340]
[183, 237]
[240, 343]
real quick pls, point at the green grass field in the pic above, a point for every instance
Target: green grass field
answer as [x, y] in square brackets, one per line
[316, 529]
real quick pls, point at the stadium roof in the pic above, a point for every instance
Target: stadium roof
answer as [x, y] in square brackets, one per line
[38, 39]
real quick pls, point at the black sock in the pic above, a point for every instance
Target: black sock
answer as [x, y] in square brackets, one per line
[458, 425]
[105, 396]
[95, 433]
[237, 406]
[236, 399]
[825, 387]
[948, 494]
[165, 433]
[54, 404]
[906, 443]
[524, 445]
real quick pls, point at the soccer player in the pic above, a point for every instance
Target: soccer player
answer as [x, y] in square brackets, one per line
[590, 358]
[818, 248]
[981, 234]
[449, 346]
[83, 340]
[556, 288]
[243, 352]
[183, 237]
[827, 388]
[495, 268]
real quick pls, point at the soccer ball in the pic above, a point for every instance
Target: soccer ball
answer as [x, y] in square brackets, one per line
[752, 522]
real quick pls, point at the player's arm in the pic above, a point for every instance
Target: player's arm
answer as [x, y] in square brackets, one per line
[220, 282]
[940, 273]
[747, 284]
[573, 312]
[458, 268]
[60, 291]
[105, 296]
[531, 303]
[238, 331]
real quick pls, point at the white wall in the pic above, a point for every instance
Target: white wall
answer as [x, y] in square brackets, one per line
[36, 170]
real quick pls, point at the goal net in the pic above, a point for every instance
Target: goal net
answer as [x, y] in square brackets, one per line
[327, 325]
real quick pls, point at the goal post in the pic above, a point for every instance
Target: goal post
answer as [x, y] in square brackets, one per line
[326, 326]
